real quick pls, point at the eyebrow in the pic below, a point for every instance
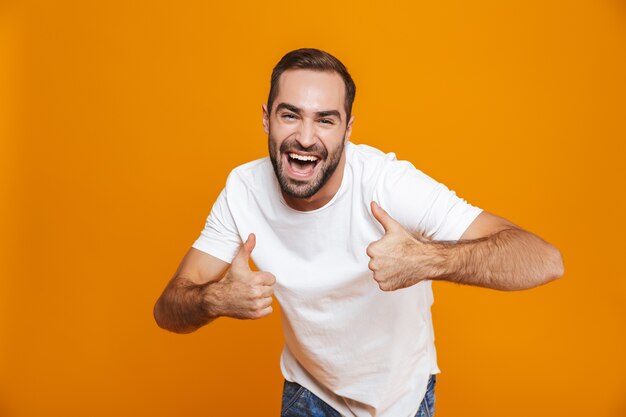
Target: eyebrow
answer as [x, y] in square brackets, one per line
[298, 111]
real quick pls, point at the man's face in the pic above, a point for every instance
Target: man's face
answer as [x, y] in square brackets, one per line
[307, 130]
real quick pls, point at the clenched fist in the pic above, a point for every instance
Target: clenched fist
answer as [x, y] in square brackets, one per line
[400, 259]
[243, 293]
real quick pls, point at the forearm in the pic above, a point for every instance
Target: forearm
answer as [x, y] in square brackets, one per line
[183, 306]
[511, 259]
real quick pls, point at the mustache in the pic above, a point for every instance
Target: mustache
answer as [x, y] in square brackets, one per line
[293, 145]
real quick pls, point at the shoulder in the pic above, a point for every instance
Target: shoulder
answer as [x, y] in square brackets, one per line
[367, 162]
[396, 184]
[360, 152]
[250, 175]
[383, 167]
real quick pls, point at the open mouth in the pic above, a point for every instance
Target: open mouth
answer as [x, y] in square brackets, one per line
[302, 165]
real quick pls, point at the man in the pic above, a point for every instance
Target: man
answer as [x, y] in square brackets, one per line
[348, 239]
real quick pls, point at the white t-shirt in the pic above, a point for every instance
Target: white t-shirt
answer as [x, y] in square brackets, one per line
[364, 351]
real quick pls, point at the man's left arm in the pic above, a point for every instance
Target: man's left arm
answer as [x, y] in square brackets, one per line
[492, 253]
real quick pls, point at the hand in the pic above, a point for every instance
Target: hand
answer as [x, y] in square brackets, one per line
[243, 293]
[399, 259]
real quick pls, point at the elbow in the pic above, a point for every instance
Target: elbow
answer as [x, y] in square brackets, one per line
[157, 314]
[165, 322]
[160, 316]
[559, 269]
[555, 267]
[551, 270]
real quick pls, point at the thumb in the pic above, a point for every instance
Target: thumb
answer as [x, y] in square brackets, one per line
[241, 259]
[388, 222]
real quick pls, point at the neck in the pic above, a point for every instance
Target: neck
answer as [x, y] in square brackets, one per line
[324, 195]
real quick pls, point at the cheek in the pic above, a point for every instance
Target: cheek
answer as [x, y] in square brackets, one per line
[332, 141]
[281, 132]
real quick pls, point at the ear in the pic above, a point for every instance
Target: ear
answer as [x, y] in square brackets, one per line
[349, 128]
[266, 119]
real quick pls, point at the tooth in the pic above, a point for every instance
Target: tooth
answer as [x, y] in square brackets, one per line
[303, 157]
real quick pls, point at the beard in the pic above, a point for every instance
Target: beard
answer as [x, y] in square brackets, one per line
[303, 188]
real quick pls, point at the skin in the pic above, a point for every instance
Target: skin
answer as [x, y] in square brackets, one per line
[205, 288]
[311, 120]
[492, 253]
[308, 117]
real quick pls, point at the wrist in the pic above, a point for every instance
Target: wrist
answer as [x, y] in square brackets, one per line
[211, 300]
[441, 260]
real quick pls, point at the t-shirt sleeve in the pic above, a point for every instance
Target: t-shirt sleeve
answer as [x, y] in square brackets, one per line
[448, 216]
[220, 237]
[419, 202]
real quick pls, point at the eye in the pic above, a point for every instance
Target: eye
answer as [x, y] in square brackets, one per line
[326, 121]
[288, 116]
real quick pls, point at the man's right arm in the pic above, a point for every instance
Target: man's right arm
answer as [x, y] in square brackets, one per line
[205, 288]
[183, 306]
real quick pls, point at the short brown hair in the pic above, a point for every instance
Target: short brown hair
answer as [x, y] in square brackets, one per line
[312, 59]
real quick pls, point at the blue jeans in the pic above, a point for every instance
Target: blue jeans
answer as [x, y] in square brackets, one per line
[300, 402]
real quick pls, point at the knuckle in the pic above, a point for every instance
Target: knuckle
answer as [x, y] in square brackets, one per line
[265, 278]
[372, 249]
[371, 265]
[262, 312]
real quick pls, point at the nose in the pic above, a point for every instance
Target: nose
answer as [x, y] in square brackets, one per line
[307, 136]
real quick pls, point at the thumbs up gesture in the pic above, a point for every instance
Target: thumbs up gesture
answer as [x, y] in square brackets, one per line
[399, 259]
[243, 293]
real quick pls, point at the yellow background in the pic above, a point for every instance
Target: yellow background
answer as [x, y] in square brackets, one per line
[121, 120]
